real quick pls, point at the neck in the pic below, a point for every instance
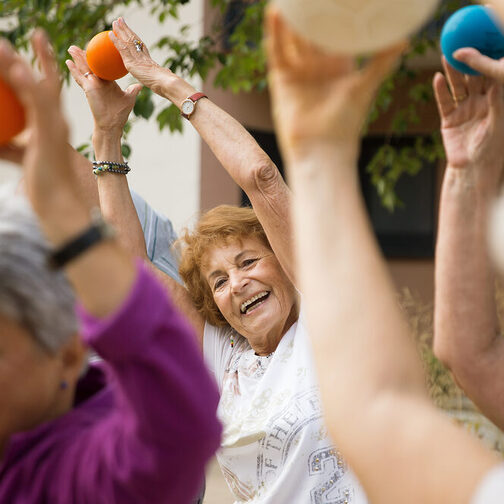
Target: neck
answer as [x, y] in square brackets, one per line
[267, 345]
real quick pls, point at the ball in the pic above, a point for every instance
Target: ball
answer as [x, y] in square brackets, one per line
[104, 59]
[12, 115]
[356, 26]
[473, 26]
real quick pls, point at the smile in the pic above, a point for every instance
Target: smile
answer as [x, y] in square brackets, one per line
[254, 301]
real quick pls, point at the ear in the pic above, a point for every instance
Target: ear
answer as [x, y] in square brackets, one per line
[73, 355]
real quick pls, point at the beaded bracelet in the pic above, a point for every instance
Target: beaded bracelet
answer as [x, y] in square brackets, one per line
[100, 167]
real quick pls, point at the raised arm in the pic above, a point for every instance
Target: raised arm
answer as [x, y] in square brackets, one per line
[467, 336]
[163, 419]
[111, 107]
[234, 147]
[371, 379]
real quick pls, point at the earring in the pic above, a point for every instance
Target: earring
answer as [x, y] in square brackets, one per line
[63, 385]
[232, 340]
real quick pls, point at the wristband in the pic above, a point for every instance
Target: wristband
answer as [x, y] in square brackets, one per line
[98, 231]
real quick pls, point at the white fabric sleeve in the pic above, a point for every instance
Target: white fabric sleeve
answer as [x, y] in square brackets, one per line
[491, 489]
[217, 350]
[159, 237]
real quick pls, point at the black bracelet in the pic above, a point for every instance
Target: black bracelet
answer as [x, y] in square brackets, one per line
[94, 234]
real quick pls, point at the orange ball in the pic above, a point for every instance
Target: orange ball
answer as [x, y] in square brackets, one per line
[12, 115]
[104, 59]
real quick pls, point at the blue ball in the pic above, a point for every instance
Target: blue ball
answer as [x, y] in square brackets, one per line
[472, 26]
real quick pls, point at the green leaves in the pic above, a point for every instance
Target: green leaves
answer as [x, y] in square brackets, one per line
[170, 117]
[144, 106]
[234, 49]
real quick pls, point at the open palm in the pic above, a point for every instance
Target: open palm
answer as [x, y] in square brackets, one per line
[472, 118]
[109, 104]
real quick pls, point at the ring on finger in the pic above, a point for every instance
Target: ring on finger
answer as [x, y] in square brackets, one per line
[460, 98]
[138, 45]
[87, 74]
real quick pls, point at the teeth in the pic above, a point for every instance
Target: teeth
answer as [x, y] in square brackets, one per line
[247, 303]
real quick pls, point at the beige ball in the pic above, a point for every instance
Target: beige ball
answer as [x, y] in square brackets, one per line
[356, 26]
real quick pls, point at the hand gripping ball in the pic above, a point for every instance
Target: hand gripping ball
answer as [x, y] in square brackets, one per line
[473, 26]
[104, 59]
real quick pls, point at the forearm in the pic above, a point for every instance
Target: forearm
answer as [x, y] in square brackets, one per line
[115, 198]
[83, 171]
[466, 324]
[230, 142]
[102, 275]
[343, 274]
[370, 375]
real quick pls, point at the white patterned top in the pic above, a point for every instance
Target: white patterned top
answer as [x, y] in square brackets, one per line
[275, 447]
[491, 489]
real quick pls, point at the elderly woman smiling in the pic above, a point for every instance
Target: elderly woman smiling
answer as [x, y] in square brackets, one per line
[237, 265]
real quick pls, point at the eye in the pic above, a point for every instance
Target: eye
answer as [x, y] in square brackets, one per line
[219, 283]
[248, 262]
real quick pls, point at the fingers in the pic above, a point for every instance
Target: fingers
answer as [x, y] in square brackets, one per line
[45, 56]
[456, 82]
[79, 68]
[79, 58]
[475, 84]
[133, 90]
[9, 61]
[482, 64]
[444, 101]
[275, 38]
[78, 77]
[378, 68]
[123, 31]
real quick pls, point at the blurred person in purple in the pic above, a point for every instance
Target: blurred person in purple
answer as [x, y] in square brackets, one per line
[139, 426]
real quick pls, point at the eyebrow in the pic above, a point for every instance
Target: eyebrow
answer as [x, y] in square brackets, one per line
[236, 259]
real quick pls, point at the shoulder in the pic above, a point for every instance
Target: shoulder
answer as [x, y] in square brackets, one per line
[220, 344]
[159, 237]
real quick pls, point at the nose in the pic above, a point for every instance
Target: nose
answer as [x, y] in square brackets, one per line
[238, 281]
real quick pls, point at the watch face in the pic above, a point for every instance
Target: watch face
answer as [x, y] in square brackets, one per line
[187, 107]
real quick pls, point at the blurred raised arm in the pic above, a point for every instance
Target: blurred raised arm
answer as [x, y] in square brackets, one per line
[103, 276]
[467, 336]
[371, 379]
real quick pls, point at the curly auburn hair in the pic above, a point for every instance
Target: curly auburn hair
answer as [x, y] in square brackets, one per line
[221, 225]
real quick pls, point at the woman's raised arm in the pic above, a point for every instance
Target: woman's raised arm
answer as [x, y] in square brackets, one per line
[240, 155]
[111, 107]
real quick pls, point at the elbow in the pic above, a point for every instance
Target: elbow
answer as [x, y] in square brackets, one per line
[264, 177]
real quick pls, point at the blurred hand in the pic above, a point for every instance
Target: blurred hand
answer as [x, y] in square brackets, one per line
[49, 182]
[472, 121]
[110, 105]
[319, 96]
[13, 152]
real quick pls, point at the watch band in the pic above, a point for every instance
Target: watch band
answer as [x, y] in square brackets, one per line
[194, 98]
[98, 230]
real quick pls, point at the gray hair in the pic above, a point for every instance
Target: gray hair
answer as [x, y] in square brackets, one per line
[39, 299]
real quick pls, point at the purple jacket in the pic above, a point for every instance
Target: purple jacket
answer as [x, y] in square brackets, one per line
[140, 434]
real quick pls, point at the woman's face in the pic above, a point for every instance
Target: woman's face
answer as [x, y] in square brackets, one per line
[30, 381]
[252, 291]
